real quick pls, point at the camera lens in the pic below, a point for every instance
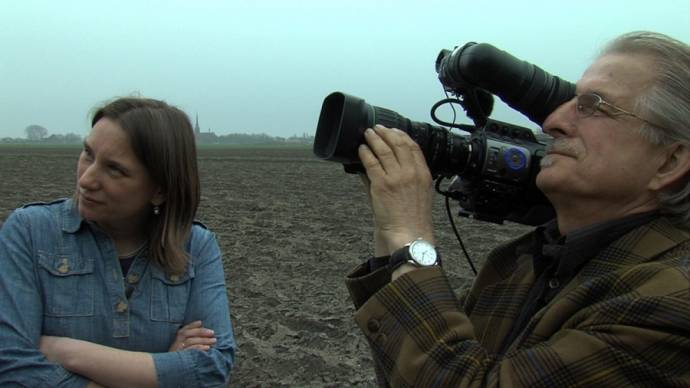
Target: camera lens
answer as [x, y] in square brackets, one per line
[344, 118]
[341, 126]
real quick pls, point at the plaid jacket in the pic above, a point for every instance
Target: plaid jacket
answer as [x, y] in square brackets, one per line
[624, 320]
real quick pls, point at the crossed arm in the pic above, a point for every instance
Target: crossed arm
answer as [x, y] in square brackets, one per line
[115, 367]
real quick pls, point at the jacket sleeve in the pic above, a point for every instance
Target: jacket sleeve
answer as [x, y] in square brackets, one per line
[420, 336]
[363, 283]
[21, 313]
[208, 302]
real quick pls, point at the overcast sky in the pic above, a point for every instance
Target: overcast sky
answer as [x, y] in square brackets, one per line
[265, 66]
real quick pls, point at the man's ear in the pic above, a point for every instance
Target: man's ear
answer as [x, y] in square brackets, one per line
[674, 168]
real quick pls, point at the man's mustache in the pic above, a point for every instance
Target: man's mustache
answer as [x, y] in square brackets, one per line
[564, 146]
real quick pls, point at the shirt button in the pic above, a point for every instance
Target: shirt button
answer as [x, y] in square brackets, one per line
[173, 278]
[373, 325]
[554, 283]
[121, 307]
[132, 278]
[63, 268]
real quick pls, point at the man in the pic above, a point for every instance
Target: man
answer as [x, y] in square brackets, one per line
[598, 297]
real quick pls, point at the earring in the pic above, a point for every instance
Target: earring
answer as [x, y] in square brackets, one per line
[156, 210]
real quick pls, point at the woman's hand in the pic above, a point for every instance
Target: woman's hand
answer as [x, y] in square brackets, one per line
[193, 336]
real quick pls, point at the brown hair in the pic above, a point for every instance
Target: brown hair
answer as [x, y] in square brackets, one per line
[162, 138]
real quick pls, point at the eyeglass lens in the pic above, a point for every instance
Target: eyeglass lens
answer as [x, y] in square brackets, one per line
[587, 104]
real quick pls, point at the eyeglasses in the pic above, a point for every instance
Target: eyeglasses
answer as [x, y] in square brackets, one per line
[589, 103]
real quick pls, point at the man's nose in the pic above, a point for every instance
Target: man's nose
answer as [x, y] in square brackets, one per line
[562, 121]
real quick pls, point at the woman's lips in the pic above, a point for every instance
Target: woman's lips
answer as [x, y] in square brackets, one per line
[88, 199]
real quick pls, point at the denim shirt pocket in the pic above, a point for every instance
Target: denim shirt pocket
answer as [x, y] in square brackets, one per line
[169, 295]
[69, 284]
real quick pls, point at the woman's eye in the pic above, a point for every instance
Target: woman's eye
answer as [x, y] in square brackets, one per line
[115, 170]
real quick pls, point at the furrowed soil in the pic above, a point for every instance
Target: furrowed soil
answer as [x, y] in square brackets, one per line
[290, 227]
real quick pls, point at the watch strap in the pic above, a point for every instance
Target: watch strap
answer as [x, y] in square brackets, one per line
[399, 257]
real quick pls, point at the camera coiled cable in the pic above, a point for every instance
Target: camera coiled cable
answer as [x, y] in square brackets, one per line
[452, 224]
[450, 101]
[468, 128]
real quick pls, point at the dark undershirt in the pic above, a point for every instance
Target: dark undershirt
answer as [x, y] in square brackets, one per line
[125, 263]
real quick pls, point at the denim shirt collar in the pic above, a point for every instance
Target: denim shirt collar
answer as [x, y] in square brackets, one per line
[71, 219]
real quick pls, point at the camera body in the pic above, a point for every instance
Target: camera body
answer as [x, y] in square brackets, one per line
[498, 182]
[494, 164]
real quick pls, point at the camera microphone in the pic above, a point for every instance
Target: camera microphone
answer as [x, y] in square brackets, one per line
[520, 84]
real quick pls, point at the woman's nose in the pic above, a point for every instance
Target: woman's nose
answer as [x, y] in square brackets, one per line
[89, 178]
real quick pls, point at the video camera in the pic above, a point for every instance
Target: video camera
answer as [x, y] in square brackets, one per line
[495, 163]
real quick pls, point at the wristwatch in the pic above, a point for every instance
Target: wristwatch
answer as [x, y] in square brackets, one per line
[419, 253]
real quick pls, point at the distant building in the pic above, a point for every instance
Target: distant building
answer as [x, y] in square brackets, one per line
[203, 137]
[197, 130]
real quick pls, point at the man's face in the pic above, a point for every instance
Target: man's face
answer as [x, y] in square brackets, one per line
[602, 159]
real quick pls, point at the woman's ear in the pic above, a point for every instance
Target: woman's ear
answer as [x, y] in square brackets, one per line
[158, 198]
[674, 168]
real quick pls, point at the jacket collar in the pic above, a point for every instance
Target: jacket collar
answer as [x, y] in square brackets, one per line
[651, 239]
[641, 245]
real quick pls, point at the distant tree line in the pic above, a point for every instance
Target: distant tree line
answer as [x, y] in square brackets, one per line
[38, 134]
[252, 139]
[35, 132]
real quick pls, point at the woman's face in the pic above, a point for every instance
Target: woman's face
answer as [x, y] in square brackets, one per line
[113, 186]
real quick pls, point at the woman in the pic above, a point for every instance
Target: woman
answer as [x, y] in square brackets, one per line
[118, 286]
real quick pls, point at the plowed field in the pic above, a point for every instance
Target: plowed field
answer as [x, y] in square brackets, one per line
[290, 227]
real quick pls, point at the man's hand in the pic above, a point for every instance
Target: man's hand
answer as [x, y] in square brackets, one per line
[400, 188]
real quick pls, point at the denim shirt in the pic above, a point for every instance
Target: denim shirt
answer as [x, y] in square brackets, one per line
[60, 276]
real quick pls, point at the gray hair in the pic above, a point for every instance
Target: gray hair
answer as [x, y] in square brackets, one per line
[666, 104]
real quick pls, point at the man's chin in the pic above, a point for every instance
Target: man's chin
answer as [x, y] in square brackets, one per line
[549, 178]
[546, 161]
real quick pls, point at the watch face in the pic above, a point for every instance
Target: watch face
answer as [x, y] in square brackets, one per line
[423, 252]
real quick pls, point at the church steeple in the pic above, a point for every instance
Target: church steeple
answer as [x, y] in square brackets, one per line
[197, 130]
